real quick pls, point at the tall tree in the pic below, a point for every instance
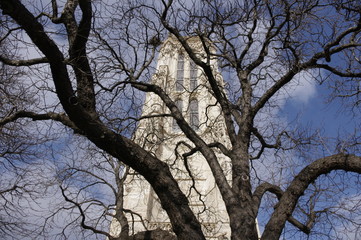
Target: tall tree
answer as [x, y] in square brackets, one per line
[87, 62]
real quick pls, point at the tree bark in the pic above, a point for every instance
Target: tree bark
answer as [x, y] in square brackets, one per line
[300, 183]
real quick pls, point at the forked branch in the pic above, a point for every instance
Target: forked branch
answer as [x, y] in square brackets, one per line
[300, 183]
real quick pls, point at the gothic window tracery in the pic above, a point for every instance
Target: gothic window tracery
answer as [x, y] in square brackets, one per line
[193, 114]
[180, 72]
[179, 104]
[185, 64]
[192, 76]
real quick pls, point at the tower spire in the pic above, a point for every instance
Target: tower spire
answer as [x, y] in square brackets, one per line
[186, 85]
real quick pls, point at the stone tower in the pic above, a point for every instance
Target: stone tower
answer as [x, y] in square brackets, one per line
[185, 83]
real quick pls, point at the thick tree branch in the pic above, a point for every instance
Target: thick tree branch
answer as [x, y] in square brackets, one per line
[60, 117]
[78, 57]
[218, 145]
[276, 190]
[119, 198]
[67, 17]
[17, 63]
[337, 72]
[13, 188]
[262, 189]
[264, 144]
[300, 183]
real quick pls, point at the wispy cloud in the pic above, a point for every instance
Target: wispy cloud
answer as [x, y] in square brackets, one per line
[303, 89]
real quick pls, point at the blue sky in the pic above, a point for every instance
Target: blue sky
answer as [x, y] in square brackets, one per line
[332, 118]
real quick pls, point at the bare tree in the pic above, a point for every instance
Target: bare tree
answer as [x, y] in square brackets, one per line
[90, 62]
[93, 186]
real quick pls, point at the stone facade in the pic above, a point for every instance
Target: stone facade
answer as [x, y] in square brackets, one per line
[186, 85]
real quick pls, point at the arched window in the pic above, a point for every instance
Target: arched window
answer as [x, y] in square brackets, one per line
[192, 76]
[180, 73]
[193, 114]
[179, 105]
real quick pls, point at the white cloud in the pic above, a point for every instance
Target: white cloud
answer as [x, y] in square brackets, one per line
[303, 88]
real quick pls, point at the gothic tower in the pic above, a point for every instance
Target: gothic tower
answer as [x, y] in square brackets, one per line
[185, 83]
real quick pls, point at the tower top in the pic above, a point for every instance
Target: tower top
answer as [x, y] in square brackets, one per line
[185, 84]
